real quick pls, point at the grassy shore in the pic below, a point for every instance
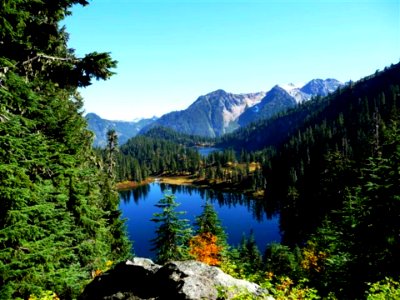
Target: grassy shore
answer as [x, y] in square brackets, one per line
[176, 180]
[126, 185]
[190, 180]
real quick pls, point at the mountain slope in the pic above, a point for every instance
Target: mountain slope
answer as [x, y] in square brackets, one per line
[276, 130]
[125, 130]
[210, 115]
[219, 112]
[276, 100]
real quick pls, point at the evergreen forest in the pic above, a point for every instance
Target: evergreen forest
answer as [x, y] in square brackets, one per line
[59, 217]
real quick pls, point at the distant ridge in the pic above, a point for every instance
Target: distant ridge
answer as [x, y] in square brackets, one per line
[217, 113]
[125, 129]
[220, 112]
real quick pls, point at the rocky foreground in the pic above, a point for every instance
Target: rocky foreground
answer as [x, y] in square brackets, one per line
[143, 279]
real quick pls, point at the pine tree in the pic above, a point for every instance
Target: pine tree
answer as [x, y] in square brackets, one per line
[210, 238]
[172, 233]
[120, 245]
[249, 253]
[208, 222]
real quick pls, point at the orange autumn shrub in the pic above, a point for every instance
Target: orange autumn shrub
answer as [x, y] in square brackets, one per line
[313, 259]
[204, 248]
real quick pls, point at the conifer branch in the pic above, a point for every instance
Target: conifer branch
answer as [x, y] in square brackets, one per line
[49, 57]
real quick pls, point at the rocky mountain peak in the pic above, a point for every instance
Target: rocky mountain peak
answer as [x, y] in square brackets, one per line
[217, 93]
[321, 87]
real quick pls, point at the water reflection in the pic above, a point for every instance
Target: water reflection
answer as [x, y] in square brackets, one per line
[239, 214]
[261, 209]
[138, 193]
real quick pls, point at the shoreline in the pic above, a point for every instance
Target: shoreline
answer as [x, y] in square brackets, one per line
[190, 180]
[127, 184]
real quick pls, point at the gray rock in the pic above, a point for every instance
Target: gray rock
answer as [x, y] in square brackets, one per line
[187, 280]
[146, 263]
[193, 280]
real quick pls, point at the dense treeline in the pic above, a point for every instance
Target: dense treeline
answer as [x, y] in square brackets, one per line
[171, 135]
[227, 168]
[59, 222]
[143, 156]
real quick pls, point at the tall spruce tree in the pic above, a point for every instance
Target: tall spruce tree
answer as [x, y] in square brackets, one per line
[120, 243]
[208, 222]
[54, 226]
[172, 233]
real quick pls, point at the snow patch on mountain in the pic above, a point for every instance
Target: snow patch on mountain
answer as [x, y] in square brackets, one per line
[295, 92]
[232, 113]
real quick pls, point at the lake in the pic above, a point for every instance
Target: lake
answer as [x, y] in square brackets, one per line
[238, 214]
[205, 151]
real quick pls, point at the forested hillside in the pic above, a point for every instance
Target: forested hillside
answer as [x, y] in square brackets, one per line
[143, 156]
[336, 180]
[331, 143]
[168, 153]
[59, 223]
[168, 134]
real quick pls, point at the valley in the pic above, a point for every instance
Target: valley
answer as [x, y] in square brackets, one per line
[304, 163]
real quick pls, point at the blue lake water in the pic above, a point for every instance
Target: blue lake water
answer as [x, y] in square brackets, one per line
[205, 151]
[238, 214]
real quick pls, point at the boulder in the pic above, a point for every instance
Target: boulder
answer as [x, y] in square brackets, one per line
[186, 280]
[193, 280]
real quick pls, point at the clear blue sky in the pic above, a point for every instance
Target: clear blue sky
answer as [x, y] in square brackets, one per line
[171, 52]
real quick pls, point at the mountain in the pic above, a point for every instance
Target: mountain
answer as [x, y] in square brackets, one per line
[125, 129]
[321, 87]
[276, 100]
[219, 112]
[211, 115]
[282, 97]
[276, 130]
